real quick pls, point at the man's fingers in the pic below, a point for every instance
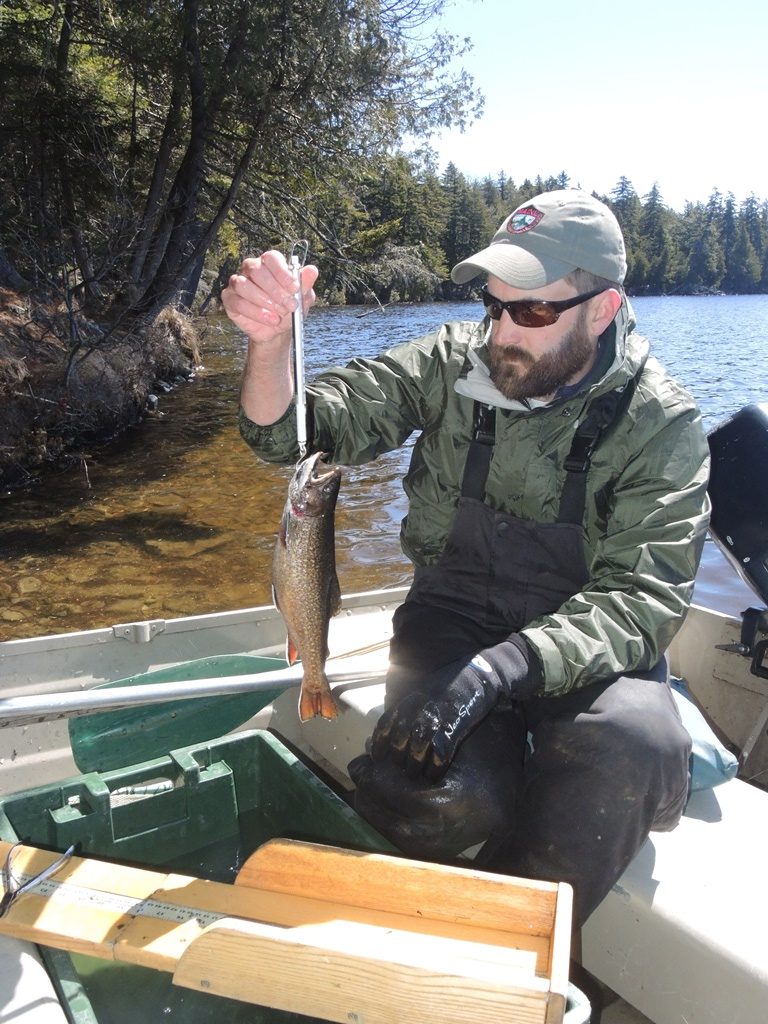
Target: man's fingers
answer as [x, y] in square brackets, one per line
[274, 279]
[424, 727]
[381, 733]
[400, 732]
[249, 309]
[417, 735]
[309, 275]
[259, 306]
[264, 292]
[256, 286]
[441, 754]
[393, 729]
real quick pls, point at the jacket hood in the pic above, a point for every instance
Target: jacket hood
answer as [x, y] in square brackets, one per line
[630, 351]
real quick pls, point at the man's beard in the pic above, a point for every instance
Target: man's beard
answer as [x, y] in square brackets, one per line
[528, 377]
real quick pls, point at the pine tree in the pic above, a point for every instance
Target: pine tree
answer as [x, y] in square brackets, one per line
[743, 270]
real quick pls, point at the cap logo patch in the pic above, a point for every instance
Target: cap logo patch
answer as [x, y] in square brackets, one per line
[524, 220]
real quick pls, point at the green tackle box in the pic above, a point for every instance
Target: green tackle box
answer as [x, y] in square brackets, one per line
[200, 810]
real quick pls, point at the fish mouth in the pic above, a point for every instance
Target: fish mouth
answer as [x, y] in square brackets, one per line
[310, 471]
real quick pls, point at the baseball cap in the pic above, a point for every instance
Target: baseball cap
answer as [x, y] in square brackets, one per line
[548, 237]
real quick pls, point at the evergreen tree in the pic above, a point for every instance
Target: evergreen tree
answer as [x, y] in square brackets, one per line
[755, 218]
[468, 225]
[654, 242]
[715, 209]
[491, 193]
[625, 203]
[743, 269]
[706, 263]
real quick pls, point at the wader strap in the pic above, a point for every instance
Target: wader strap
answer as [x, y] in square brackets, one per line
[602, 413]
[480, 451]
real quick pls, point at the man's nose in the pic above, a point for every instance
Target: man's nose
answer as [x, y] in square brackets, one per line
[506, 331]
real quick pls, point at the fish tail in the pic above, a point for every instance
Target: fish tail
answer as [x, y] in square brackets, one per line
[317, 702]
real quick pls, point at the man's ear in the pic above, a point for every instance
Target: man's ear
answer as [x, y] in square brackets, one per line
[606, 307]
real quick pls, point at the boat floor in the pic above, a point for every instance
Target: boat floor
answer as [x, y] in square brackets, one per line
[619, 1012]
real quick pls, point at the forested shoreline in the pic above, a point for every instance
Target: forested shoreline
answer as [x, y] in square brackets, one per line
[412, 225]
[146, 148]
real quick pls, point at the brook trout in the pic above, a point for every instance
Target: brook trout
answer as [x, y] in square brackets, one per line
[304, 582]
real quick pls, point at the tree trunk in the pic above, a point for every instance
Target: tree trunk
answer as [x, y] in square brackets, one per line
[188, 288]
[179, 246]
[178, 218]
[80, 249]
[9, 276]
[146, 237]
[166, 288]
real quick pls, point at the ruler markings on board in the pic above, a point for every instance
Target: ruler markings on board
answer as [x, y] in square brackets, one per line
[84, 896]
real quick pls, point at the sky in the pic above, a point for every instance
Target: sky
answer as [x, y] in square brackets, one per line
[672, 92]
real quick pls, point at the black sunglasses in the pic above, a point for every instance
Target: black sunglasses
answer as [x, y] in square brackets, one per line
[532, 312]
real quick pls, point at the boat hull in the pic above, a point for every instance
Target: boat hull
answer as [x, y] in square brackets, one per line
[705, 654]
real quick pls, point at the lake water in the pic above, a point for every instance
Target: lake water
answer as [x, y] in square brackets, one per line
[178, 518]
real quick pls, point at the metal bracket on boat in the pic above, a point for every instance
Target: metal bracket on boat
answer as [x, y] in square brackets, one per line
[753, 621]
[758, 667]
[13, 888]
[139, 632]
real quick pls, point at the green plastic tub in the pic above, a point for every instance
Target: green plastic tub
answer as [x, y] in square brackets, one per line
[201, 810]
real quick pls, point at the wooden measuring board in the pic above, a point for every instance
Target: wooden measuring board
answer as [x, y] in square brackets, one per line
[332, 933]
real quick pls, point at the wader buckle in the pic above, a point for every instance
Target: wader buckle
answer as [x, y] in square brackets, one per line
[582, 449]
[484, 424]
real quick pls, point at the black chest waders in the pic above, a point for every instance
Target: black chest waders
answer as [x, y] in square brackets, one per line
[560, 788]
[498, 572]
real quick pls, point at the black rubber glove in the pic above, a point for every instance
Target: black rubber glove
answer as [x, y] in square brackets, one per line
[423, 734]
[475, 798]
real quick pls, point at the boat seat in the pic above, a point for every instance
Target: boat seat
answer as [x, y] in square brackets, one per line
[682, 935]
[27, 994]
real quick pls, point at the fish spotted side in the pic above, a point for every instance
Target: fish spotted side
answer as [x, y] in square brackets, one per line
[304, 581]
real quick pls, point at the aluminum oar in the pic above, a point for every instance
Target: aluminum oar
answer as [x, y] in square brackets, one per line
[17, 711]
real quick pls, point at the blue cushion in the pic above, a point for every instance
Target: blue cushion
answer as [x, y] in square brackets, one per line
[711, 762]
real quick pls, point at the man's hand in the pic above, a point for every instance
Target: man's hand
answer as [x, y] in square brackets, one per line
[260, 301]
[423, 734]
[261, 298]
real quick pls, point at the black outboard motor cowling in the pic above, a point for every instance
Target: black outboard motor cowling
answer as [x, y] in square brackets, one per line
[738, 489]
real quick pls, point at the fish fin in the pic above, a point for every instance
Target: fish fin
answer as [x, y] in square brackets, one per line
[313, 704]
[291, 651]
[334, 596]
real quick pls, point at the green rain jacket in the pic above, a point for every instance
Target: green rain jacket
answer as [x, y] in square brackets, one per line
[646, 512]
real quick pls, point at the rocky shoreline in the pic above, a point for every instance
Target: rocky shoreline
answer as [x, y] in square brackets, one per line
[64, 383]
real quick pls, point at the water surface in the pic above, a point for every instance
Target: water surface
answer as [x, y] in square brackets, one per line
[179, 518]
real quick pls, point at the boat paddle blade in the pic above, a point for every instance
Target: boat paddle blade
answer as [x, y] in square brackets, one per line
[107, 740]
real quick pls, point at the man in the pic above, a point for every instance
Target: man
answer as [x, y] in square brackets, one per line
[557, 511]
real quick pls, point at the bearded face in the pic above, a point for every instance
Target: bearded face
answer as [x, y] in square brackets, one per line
[518, 374]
